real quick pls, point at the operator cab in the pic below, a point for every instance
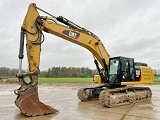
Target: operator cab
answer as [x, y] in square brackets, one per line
[121, 69]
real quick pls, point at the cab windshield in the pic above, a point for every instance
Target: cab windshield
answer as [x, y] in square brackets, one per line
[113, 71]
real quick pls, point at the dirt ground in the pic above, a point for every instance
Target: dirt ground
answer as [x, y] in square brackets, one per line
[62, 96]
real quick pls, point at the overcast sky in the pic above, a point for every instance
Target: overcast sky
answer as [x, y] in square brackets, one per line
[129, 28]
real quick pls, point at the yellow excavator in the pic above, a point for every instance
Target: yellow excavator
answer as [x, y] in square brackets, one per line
[117, 75]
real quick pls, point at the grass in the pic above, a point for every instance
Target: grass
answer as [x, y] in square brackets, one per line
[78, 80]
[157, 80]
[70, 80]
[65, 80]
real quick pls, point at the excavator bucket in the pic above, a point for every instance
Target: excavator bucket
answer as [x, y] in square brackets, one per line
[29, 104]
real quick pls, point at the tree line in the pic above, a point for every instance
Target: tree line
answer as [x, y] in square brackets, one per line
[68, 72]
[157, 72]
[8, 72]
[52, 72]
[58, 72]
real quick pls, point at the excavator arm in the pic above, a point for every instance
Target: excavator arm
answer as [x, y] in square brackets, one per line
[32, 28]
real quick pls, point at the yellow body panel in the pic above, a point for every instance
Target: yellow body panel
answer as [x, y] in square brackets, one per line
[97, 79]
[145, 78]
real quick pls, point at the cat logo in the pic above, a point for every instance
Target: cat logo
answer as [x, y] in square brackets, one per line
[72, 34]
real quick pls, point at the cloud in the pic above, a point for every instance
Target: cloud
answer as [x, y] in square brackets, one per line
[126, 28]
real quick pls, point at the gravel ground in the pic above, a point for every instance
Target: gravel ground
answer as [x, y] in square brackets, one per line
[62, 96]
[46, 87]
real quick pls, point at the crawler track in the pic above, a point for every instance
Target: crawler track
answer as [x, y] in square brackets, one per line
[113, 97]
[84, 94]
[123, 96]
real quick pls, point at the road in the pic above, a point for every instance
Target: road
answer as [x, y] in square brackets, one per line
[63, 97]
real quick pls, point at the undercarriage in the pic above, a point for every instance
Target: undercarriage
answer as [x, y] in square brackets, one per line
[112, 97]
